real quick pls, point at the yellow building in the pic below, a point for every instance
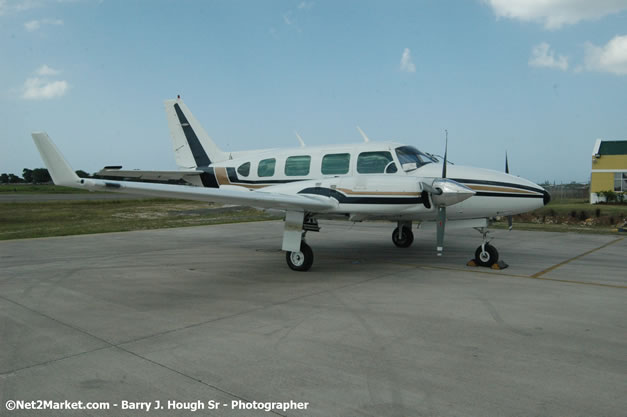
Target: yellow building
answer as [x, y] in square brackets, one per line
[609, 168]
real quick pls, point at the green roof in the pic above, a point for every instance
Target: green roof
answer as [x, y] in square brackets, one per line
[618, 147]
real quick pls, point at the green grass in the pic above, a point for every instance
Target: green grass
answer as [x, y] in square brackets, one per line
[567, 207]
[62, 218]
[38, 189]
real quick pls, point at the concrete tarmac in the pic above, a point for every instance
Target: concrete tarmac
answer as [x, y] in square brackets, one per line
[214, 313]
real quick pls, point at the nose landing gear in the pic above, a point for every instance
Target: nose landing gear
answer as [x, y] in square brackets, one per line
[486, 254]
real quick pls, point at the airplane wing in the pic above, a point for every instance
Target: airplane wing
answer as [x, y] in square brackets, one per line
[62, 174]
[146, 175]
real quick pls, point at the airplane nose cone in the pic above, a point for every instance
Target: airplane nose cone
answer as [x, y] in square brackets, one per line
[547, 197]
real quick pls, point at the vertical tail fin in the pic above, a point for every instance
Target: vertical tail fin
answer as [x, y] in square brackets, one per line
[192, 145]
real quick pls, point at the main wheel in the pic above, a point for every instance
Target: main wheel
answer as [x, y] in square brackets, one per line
[300, 261]
[406, 239]
[487, 257]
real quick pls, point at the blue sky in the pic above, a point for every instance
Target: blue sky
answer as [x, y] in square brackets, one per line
[540, 79]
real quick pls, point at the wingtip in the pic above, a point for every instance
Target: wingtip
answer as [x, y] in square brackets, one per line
[60, 170]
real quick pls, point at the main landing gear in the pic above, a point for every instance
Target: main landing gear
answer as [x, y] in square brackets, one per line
[300, 260]
[298, 253]
[402, 236]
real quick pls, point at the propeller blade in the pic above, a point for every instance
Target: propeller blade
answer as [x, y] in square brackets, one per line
[510, 219]
[445, 152]
[441, 219]
[441, 222]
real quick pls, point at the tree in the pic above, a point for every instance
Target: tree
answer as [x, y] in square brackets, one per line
[4, 179]
[41, 175]
[82, 174]
[14, 179]
[27, 174]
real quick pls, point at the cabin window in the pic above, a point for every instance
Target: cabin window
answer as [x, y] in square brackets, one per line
[244, 169]
[411, 158]
[266, 167]
[373, 162]
[297, 165]
[391, 168]
[336, 163]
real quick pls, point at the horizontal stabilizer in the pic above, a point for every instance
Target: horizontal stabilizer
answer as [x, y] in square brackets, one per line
[147, 175]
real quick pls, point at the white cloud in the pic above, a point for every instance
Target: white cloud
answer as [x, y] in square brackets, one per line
[287, 18]
[406, 63]
[305, 5]
[34, 25]
[40, 89]
[609, 58]
[46, 70]
[12, 6]
[555, 13]
[543, 56]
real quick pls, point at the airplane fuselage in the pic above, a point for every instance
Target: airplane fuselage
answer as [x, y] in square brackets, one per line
[368, 181]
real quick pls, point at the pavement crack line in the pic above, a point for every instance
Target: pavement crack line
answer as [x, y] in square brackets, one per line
[554, 267]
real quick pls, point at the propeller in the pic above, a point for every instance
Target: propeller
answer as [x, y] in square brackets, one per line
[510, 218]
[444, 192]
[441, 219]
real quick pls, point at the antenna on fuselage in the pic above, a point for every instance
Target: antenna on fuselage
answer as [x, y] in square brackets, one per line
[302, 142]
[363, 135]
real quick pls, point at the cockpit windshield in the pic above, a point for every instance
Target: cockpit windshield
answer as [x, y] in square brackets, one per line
[411, 158]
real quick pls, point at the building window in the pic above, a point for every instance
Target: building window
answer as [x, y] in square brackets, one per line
[373, 162]
[620, 181]
[266, 167]
[244, 169]
[335, 163]
[297, 165]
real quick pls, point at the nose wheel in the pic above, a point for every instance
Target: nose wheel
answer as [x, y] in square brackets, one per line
[486, 255]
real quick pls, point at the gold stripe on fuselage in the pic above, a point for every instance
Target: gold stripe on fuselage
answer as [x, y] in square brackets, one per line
[389, 193]
[223, 179]
[500, 189]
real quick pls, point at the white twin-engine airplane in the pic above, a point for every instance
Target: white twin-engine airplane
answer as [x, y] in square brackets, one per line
[366, 181]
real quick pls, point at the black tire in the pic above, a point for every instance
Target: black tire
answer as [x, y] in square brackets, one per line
[300, 261]
[487, 258]
[407, 238]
